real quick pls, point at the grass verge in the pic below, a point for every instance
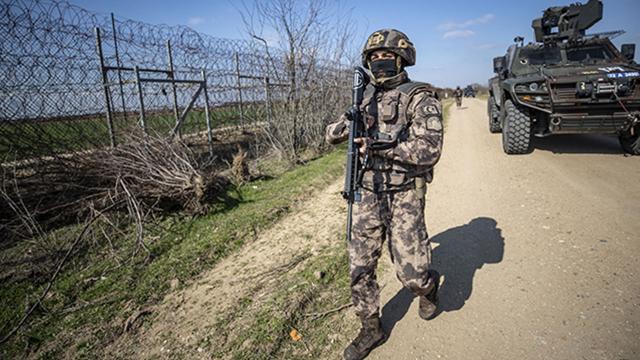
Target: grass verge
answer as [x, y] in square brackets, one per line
[314, 307]
[446, 111]
[96, 293]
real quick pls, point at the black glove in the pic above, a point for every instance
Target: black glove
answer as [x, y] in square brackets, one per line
[351, 113]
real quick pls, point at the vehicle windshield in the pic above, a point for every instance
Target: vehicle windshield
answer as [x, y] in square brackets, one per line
[541, 56]
[591, 54]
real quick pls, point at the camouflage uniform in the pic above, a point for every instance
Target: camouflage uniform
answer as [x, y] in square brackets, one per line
[458, 95]
[393, 199]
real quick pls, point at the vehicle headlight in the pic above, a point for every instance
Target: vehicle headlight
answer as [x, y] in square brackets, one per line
[535, 87]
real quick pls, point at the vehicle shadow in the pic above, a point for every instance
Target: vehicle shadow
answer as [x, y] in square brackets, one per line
[578, 144]
[460, 251]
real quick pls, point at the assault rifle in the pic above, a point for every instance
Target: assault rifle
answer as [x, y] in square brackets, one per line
[355, 167]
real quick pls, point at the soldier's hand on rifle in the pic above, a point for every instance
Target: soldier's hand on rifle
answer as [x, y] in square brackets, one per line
[350, 114]
[362, 145]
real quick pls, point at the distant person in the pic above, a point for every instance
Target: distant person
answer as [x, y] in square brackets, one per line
[458, 95]
[393, 197]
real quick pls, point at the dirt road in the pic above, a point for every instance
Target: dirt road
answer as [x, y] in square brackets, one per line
[540, 253]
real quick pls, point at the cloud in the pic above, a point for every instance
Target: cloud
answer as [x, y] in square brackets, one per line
[195, 21]
[448, 26]
[271, 37]
[457, 34]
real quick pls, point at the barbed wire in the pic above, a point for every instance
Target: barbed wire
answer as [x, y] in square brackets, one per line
[52, 97]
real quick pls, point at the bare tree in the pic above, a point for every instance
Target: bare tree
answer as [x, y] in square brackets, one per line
[313, 40]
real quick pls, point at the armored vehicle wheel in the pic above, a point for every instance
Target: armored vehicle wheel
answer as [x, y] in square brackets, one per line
[516, 130]
[494, 113]
[631, 143]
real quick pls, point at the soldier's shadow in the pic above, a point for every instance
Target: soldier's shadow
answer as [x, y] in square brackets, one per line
[460, 251]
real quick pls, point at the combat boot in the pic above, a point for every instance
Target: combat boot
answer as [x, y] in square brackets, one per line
[429, 302]
[371, 335]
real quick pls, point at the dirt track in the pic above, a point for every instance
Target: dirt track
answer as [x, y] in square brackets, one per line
[539, 252]
[186, 317]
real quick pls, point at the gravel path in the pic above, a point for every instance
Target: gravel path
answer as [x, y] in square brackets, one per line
[539, 252]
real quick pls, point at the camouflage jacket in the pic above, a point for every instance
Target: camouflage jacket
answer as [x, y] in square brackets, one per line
[417, 119]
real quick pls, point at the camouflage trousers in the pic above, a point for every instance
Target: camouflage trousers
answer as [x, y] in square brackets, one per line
[397, 217]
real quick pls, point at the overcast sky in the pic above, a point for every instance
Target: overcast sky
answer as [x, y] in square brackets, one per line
[455, 40]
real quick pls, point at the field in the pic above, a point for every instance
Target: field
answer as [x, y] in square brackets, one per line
[29, 138]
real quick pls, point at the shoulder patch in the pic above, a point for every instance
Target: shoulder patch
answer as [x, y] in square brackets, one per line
[430, 109]
[434, 123]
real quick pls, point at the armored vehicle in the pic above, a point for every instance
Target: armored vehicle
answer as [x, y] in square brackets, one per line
[469, 91]
[566, 82]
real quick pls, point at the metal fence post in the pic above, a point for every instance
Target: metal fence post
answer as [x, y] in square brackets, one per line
[143, 122]
[206, 111]
[105, 85]
[173, 86]
[115, 47]
[267, 100]
[239, 90]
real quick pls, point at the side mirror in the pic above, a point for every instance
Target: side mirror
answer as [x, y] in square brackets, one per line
[498, 64]
[628, 51]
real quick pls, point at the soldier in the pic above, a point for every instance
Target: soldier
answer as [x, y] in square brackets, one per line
[458, 95]
[407, 115]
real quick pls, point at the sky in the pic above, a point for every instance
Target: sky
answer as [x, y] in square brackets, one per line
[455, 40]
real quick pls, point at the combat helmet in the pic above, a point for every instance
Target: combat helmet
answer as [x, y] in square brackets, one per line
[391, 40]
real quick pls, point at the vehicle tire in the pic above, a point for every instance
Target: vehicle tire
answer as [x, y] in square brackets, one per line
[516, 131]
[494, 114]
[631, 143]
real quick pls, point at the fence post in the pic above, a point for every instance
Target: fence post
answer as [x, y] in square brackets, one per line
[206, 112]
[115, 47]
[267, 99]
[173, 86]
[143, 122]
[105, 85]
[239, 90]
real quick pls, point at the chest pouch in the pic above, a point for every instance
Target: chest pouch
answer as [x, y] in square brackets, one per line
[388, 110]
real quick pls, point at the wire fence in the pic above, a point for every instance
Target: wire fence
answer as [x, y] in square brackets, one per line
[74, 80]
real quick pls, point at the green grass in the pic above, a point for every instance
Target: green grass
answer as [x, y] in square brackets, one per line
[446, 111]
[182, 249]
[264, 331]
[24, 139]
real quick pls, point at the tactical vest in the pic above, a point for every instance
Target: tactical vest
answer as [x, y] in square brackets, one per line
[387, 116]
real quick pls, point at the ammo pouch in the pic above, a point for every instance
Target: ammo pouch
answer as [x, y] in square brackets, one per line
[382, 141]
[379, 140]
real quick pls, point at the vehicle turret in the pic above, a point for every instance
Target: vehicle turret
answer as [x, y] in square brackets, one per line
[570, 22]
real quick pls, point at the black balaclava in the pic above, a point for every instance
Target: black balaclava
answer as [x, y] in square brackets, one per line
[383, 69]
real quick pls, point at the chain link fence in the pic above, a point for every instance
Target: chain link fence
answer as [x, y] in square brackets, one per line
[73, 80]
